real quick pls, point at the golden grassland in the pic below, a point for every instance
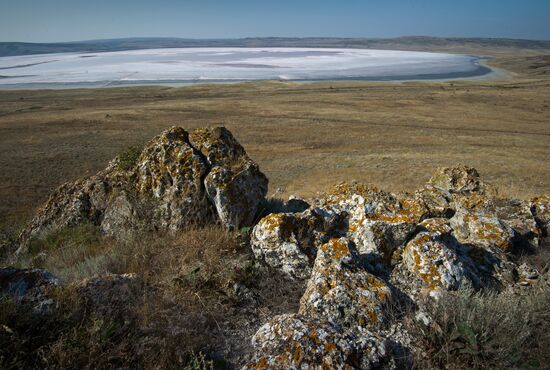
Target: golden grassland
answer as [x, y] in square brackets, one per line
[305, 136]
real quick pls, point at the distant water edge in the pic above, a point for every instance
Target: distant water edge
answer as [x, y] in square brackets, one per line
[479, 72]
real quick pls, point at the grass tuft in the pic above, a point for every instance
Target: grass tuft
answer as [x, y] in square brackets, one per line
[489, 331]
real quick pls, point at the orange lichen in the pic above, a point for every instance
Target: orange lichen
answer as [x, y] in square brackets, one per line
[345, 190]
[329, 347]
[372, 316]
[437, 225]
[313, 336]
[298, 353]
[424, 266]
[261, 364]
[337, 248]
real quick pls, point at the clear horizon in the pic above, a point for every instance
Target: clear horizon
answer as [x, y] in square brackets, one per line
[64, 20]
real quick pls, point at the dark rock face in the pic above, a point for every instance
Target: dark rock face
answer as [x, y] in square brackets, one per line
[178, 179]
[29, 286]
[21, 282]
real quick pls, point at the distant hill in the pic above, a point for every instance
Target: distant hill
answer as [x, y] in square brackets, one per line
[400, 43]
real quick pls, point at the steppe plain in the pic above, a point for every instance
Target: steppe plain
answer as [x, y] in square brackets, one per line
[305, 136]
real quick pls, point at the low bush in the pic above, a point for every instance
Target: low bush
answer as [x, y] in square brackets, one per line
[489, 331]
[128, 157]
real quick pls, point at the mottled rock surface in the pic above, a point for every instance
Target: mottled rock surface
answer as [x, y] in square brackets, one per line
[481, 228]
[289, 241]
[376, 221]
[342, 291]
[169, 175]
[433, 257]
[361, 248]
[178, 179]
[297, 342]
[235, 184]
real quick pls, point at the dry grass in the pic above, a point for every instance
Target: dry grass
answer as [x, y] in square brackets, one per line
[485, 331]
[197, 299]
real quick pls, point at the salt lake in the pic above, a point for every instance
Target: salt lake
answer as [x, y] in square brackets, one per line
[195, 65]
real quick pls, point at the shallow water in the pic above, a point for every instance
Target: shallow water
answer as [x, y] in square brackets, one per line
[192, 65]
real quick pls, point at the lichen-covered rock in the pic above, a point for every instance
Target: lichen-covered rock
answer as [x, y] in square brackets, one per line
[377, 222]
[540, 208]
[29, 286]
[517, 214]
[297, 342]
[435, 201]
[236, 194]
[432, 256]
[481, 228]
[172, 184]
[169, 177]
[235, 184]
[458, 180]
[83, 201]
[120, 215]
[342, 291]
[288, 241]
[218, 146]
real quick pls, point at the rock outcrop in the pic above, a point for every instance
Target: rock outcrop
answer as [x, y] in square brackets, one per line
[359, 248]
[178, 179]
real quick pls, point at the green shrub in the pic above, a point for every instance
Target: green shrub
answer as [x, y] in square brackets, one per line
[490, 331]
[69, 237]
[71, 253]
[128, 157]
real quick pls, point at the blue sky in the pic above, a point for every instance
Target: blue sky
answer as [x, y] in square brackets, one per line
[71, 20]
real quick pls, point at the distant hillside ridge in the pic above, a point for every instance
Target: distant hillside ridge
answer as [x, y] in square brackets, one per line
[400, 43]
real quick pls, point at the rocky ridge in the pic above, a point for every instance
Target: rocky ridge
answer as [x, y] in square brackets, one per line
[359, 250]
[362, 250]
